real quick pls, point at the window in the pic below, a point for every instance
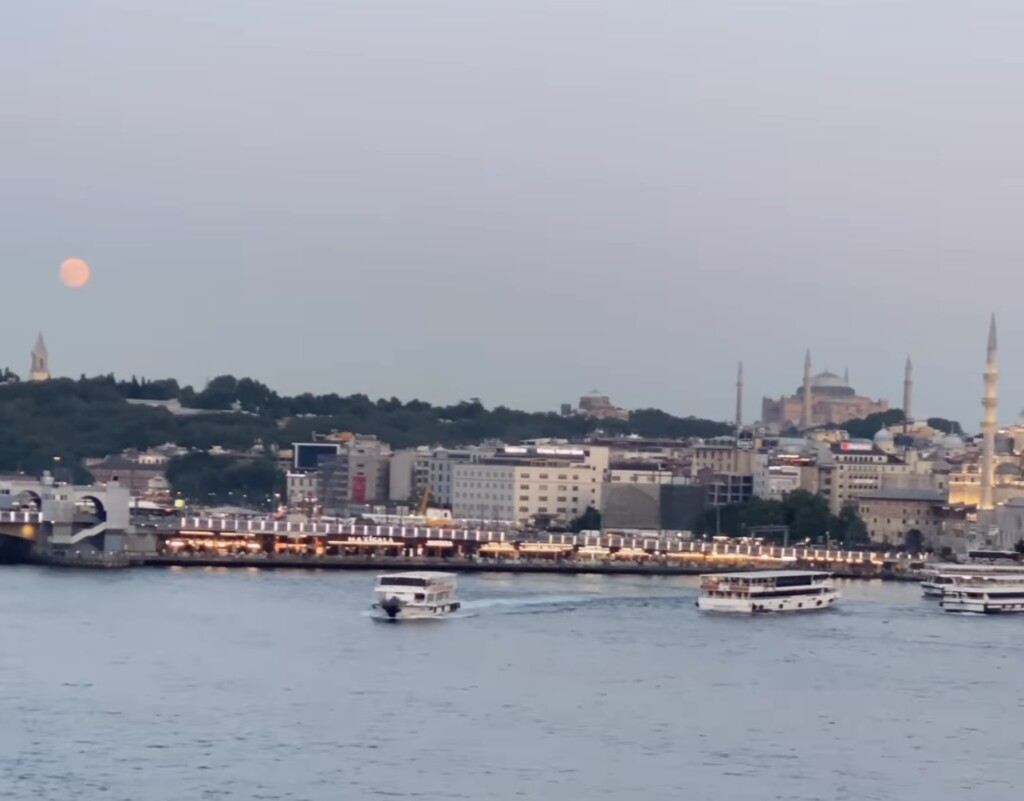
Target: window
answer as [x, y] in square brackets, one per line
[543, 498]
[562, 478]
[543, 475]
[561, 499]
[524, 497]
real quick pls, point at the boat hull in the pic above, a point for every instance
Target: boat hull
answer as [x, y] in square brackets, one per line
[755, 605]
[931, 590]
[394, 612]
[981, 607]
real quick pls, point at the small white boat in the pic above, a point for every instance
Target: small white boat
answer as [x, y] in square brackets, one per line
[988, 594]
[767, 591]
[415, 595]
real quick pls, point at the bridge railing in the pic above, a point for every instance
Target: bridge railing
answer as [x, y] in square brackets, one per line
[651, 545]
[20, 517]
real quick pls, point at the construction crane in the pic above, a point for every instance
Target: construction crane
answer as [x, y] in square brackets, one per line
[424, 501]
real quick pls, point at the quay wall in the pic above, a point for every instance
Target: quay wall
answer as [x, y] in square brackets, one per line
[468, 565]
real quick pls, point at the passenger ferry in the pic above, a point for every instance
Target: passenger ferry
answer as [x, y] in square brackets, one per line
[942, 577]
[767, 591]
[985, 594]
[415, 595]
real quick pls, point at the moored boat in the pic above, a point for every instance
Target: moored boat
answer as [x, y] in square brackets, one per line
[941, 577]
[984, 594]
[415, 595]
[767, 591]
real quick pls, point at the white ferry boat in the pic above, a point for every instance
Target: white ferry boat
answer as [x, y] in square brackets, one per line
[989, 594]
[941, 577]
[415, 595]
[767, 591]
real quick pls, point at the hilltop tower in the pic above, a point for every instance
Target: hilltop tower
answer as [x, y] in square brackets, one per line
[40, 361]
[805, 412]
[990, 403]
[908, 391]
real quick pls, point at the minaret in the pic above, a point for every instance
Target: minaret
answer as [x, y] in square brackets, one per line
[739, 399]
[908, 391]
[40, 361]
[805, 415]
[990, 403]
[846, 376]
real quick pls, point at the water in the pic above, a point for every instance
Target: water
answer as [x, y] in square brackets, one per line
[214, 684]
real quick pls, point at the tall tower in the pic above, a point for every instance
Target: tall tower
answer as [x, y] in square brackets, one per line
[739, 398]
[40, 361]
[908, 391]
[805, 412]
[990, 403]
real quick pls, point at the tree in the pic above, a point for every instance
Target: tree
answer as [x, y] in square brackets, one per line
[590, 520]
[945, 426]
[806, 514]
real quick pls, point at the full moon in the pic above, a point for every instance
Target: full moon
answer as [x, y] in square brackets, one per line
[74, 273]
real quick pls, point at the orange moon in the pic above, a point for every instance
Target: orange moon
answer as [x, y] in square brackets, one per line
[74, 273]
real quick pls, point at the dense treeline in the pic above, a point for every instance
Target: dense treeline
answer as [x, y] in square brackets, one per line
[91, 417]
[807, 516]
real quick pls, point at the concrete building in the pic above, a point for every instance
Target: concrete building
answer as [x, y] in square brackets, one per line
[302, 490]
[408, 475]
[775, 475]
[554, 483]
[853, 468]
[652, 507]
[831, 400]
[40, 370]
[631, 472]
[891, 514]
[356, 474]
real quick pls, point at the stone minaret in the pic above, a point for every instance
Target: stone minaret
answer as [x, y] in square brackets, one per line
[40, 362]
[908, 391]
[990, 403]
[805, 412]
[739, 399]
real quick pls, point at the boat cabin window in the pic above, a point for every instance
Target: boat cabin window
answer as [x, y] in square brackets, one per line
[402, 581]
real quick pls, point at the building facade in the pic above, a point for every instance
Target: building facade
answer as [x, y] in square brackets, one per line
[890, 515]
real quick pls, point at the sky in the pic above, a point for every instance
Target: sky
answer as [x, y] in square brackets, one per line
[519, 201]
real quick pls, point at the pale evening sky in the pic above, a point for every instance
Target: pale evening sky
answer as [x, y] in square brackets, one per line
[519, 201]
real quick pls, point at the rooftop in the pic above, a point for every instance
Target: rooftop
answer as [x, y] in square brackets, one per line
[931, 496]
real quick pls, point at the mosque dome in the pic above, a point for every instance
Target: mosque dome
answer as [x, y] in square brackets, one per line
[828, 385]
[951, 442]
[884, 437]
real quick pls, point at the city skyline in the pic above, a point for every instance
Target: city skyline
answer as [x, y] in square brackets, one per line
[412, 208]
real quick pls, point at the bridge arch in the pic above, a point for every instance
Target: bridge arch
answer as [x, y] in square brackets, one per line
[29, 499]
[91, 505]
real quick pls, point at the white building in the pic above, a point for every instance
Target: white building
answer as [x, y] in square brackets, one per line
[528, 482]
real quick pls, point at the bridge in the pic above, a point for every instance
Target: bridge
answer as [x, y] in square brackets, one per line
[469, 541]
[63, 520]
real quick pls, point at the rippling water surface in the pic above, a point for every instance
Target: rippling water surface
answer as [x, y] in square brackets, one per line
[214, 684]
